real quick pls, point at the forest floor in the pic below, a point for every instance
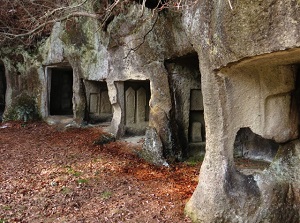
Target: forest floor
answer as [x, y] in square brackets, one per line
[50, 175]
[53, 175]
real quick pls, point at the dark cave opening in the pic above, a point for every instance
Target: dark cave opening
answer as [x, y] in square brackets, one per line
[187, 104]
[61, 92]
[251, 146]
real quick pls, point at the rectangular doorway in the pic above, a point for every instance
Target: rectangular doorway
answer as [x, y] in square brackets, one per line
[196, 118]
[61, 91]
[99, 107]
[137, 95]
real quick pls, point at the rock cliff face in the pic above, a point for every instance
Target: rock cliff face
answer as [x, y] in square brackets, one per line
[147, 72]
[118, 74]
[249, 62]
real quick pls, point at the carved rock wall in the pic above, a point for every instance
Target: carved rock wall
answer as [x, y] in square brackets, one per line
[248, 61]
[132, 48]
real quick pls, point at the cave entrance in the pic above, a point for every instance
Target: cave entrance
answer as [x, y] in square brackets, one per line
[98, 103]
[2, 90]
[136, 98]
[61, 91]
[187, 100]
[196, 137]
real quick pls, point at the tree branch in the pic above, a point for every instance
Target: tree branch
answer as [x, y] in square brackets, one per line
[74, 14]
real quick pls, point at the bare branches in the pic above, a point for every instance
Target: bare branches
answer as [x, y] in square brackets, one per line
[74, 14]
[30, 20]
[27, 21]
[176, 5]
[59, 9]
[109, 11]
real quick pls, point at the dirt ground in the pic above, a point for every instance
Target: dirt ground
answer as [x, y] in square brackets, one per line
[50, 175]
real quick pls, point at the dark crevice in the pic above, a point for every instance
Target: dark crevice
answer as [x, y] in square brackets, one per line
[107, 22]
[152, 4]
[254, 147]
[190, 60]
[188, 117]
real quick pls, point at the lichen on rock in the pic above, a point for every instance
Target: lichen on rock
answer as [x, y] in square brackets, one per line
[24, 107]
[153, 148]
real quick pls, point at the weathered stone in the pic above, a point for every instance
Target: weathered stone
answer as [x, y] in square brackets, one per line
[94, 102]
[247, 80]
[279, 186]
[2, 90]
[100, 108]
[2, 85]
[104, 138]
[252, 146]
[196, 135]
[105, 106]
[139, 107]
[153, 148]
[184, 76]
[248, 57]
[141, 103]
[196, 100]
[275, 110]
[130, 106]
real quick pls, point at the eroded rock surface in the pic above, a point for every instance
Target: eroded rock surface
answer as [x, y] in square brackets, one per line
[130, 51]
[249, 67]
[244, 61]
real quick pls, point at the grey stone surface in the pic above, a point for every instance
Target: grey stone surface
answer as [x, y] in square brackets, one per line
[105, 106]
[115, 55]
[104, 139]
[196, 100]
[130, 106]
[94, 102]
[153, 148]
[248, 58]
[184, 77]
[196, 135]
[141, 103]
[247, 81]
[98, 103]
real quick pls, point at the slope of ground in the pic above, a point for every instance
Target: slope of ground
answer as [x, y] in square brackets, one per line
[47, 175]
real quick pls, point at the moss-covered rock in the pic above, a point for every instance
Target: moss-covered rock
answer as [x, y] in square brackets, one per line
[104, 138]
[24, 107]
